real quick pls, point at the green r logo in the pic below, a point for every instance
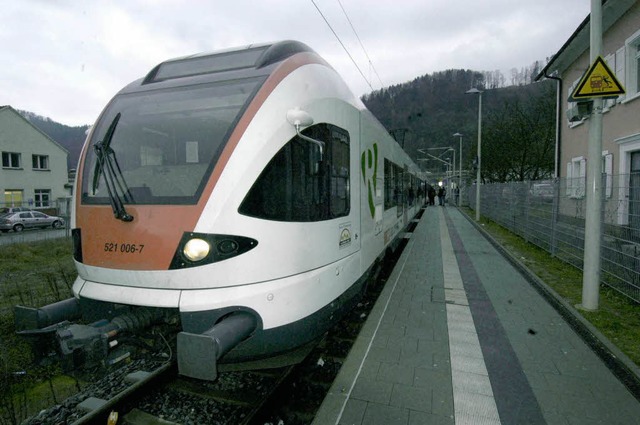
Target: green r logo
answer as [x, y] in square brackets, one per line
[369, 161]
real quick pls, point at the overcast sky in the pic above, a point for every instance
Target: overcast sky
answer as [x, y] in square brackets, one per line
[65, 59]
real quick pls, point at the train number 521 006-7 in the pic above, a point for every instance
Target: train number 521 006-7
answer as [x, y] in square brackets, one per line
[126, 248]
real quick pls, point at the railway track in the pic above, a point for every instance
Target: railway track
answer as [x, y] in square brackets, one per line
[151, 391]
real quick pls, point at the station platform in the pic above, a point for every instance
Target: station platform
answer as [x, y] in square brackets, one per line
[460, 336]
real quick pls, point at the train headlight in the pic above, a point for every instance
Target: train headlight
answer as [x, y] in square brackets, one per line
[199, 249]
[196, 249]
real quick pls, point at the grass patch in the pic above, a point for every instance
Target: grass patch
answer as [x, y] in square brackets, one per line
[617, 317]
[36, 273]
[33, 274]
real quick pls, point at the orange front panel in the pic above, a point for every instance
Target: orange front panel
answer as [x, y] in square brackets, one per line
[147, 243]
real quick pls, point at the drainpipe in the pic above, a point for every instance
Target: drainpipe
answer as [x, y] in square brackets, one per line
[556, 170]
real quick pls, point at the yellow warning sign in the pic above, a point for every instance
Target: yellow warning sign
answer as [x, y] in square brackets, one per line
[598, 81]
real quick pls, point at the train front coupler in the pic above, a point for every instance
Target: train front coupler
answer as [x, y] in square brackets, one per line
[79, 345]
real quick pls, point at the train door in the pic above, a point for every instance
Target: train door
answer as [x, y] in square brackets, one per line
[634, 196]
[344, 180]
[344, 156]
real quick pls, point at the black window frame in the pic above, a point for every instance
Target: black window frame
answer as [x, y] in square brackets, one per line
[40, 162]
[301, 183]
[9, 158]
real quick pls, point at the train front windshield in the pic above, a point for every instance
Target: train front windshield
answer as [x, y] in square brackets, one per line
[162, 145]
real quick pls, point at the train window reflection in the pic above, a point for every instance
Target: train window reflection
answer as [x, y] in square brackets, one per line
[167, 141]
[301, 185]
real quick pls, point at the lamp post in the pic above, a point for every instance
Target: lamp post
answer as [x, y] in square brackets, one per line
[452, 165]
[479, 93]
[460, 173]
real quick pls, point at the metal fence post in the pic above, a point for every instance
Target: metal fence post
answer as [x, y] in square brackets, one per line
[526, 206]
[553, 246]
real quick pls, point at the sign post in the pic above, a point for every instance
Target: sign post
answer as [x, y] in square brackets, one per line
[597, 84]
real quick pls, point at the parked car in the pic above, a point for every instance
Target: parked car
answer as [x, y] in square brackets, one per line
[18, 221]
[6, 210]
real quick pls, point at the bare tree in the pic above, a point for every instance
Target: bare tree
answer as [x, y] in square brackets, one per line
[518, 139]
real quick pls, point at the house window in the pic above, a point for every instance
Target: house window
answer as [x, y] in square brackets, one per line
[10, 160]
[12, 198]
[576, 177]
[632, 47]
[42, 198]
[636, 64]
[572, 106]
[627, 157]
[40, 162]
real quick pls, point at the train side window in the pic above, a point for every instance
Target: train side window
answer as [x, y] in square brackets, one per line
[389, 185]
[393, 186]
[299, 184]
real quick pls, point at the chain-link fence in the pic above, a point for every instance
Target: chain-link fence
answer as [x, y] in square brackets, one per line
[551, 215]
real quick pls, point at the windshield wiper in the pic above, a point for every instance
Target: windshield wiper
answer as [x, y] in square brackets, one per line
[107, 165]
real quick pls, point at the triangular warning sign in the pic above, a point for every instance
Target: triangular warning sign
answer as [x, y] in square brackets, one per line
[598, 81]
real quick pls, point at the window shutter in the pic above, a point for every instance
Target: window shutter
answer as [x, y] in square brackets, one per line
[620, 70]
[582, 182]
[611, 62]
[608, 169]
[569, 180]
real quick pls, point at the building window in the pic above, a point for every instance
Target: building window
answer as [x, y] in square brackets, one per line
[636, 64]
[632, 47]
[576, 177]
[10, 160]
[42, 198]
[40, 162]
[12, 198]
[572, 107]
[304, 181]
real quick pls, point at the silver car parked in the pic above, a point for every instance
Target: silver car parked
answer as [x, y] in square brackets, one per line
[18, 221]
[6, 210]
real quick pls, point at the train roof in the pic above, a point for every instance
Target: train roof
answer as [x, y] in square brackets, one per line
[250, 58]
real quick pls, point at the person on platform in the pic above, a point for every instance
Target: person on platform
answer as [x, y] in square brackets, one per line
[442, 193]
[431, 194]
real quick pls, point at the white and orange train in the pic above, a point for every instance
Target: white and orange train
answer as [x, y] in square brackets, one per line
[247, 192]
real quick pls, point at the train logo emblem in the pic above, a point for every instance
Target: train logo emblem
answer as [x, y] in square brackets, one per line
[345, 237]
[369, 160]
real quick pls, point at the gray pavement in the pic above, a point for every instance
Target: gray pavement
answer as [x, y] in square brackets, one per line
[459, 336]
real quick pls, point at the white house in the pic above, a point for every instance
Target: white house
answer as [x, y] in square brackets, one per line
[34, 166]
[621, 116]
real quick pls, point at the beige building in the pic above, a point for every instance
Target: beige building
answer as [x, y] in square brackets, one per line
[34, 166]
[621, 116]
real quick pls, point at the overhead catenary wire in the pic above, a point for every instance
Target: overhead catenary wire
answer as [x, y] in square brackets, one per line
[342, 44]
[361, 44]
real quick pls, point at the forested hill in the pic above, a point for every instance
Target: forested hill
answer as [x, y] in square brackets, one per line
[431, 108]
[71, 138]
